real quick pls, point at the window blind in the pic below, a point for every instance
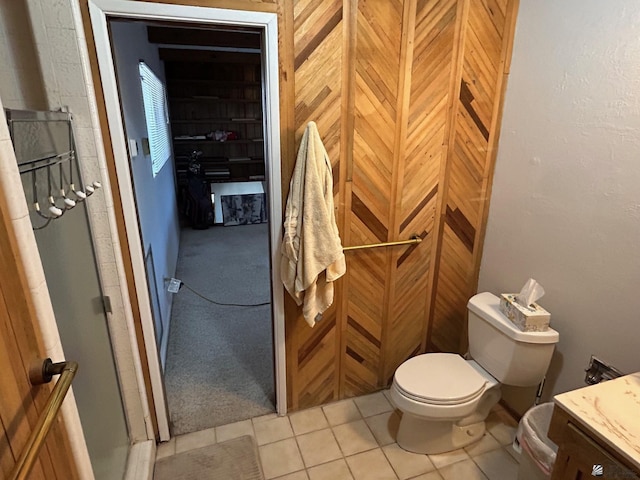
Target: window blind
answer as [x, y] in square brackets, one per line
[157, 116]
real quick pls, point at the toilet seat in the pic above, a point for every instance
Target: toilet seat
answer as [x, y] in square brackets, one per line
[439, 379]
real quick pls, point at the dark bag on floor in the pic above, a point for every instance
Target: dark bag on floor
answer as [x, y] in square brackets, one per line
[198, 208]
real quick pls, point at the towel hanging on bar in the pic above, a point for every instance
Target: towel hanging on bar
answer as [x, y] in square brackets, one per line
[312, 256]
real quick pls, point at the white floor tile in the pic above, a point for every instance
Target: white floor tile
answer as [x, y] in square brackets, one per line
[504, 434]
[308, 421]
[344, 411]
[373, 404]
[515, 455]
[336, 470]
[280, 458]
[465, 470]
[349, 448]
[354, 437]
[407, 464]
[429, 476]
[272, 430]
[301, 475]
[262, 418]
[318, 447]
[497, 465]
[234, 430]
[384, 427]
[191, 441]
[501, 431]
[371, 465]
[486, 444]
[443, 459]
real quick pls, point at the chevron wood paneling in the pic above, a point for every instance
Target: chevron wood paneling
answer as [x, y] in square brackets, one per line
[377, 65]
[312, 354]
[405, 94]
[418, 187]
[469, 165]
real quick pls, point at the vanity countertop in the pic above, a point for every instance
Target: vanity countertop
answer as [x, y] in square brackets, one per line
[611, 412]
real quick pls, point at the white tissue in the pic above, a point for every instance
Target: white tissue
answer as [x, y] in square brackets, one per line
[530, 293]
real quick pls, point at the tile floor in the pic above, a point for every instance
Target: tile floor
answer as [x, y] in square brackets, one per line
[354, 440]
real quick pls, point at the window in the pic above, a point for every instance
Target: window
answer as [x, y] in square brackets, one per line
[155, 111]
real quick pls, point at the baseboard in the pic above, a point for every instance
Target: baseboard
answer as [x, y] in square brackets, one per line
[141, 460]
[515, 415]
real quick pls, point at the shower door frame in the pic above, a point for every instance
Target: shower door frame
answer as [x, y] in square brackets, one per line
[99, 11]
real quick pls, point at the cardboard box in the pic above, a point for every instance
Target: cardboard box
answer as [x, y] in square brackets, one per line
[533, 318]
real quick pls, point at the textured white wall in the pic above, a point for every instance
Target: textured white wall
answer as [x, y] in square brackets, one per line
[20, 79]
[565, 206]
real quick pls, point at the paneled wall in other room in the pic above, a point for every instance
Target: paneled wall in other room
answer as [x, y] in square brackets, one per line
[407, 97]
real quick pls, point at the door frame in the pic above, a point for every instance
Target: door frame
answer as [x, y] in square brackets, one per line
[99, 11]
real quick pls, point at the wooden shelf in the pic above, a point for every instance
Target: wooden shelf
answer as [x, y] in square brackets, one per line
[224, 162]
[225, 96]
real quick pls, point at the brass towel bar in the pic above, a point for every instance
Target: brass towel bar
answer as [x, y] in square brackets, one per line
[413, 239]
[40, 374]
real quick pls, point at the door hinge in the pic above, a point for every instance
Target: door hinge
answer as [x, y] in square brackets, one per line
[106, 302]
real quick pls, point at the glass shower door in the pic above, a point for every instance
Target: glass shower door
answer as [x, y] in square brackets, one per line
[67, 255]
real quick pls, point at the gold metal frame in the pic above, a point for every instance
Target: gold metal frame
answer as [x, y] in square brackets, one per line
[414, 239]
[67, 371]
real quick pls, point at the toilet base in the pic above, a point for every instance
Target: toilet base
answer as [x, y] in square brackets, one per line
[420, 435]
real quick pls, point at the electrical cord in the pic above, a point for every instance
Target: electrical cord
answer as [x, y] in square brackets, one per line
[221, 303]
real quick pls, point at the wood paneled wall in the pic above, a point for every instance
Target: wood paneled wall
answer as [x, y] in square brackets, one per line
[407, 95]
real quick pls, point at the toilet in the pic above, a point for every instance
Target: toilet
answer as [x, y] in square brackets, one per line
[445, 398]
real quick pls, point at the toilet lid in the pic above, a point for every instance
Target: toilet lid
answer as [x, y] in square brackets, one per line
[439, 378]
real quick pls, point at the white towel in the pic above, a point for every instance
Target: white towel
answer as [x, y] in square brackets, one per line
[312, 256]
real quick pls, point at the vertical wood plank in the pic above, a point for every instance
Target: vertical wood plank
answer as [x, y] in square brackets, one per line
[492, 151]
[426, 118]
[349, 30]
[485, 42]
[389, 348]
[440, 209]
[317, 60]
[377, 75]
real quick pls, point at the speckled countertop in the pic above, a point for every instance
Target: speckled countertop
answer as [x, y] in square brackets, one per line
[611, 412]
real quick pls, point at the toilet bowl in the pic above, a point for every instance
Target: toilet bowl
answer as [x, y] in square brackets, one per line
[445, 398]
[446, 412]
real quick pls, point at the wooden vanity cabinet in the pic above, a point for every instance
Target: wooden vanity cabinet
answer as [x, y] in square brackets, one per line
[579, 453]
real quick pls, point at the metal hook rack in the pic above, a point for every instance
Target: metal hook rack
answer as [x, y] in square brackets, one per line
[43, 141]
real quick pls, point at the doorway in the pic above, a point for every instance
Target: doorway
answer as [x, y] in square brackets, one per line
[215, 333]
[101, 12]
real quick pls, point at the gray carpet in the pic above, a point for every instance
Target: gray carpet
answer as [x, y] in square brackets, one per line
[235, 459]
[219, 366]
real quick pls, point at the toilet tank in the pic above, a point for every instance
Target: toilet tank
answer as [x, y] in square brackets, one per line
[511, 356]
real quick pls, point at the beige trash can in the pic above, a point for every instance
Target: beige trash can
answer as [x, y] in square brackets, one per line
[538, 452]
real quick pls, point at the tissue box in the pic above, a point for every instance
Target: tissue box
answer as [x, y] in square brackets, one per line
[528, 319]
